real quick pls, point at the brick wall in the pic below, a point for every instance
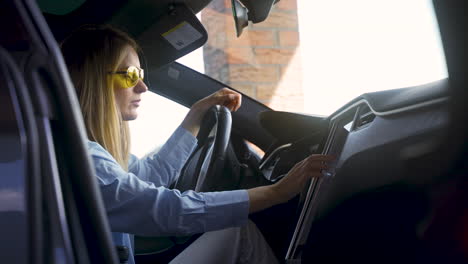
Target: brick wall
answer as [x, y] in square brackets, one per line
[264, 62]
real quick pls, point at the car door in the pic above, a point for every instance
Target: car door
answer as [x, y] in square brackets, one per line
[50, 205]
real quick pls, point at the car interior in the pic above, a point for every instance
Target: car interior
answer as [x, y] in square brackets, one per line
[396, 192]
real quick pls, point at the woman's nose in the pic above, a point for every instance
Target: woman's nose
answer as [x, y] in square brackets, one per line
[140, 87]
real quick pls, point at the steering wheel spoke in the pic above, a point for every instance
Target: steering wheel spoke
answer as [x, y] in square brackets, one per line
[204, 167]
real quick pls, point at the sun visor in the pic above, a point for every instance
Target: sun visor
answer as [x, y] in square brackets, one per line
[175, 33]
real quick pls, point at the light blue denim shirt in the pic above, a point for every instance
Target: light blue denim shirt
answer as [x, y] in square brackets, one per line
[138, 202]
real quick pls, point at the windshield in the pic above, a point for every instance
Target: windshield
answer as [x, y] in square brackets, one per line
[314, 56]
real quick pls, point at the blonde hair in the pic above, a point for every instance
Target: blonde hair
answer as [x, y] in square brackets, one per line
[91, 52]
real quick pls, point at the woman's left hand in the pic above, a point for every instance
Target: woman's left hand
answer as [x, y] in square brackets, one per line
[226, 97]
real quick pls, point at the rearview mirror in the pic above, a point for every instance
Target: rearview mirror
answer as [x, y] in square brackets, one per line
[250, 10]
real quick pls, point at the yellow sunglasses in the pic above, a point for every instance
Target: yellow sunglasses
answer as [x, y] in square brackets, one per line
[129, 77]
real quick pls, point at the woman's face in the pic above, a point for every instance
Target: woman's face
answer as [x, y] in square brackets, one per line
[128, 99]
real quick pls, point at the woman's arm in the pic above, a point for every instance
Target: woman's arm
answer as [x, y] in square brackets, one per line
[139, 207]
[163, 168]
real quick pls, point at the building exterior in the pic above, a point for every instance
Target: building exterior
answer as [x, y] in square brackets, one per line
[264, 62]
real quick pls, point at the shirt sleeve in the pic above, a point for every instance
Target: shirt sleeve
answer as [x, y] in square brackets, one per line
[163, 168]
[140, 207]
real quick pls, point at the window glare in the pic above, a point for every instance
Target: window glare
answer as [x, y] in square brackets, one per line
[194, 60]
[158, 117]
[352, 47]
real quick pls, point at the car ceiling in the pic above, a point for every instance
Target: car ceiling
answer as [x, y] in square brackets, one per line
[108, 11]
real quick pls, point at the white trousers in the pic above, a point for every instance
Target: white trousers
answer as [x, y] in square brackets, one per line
[236, 245]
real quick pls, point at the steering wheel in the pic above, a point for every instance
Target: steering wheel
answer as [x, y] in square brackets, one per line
[202, 170]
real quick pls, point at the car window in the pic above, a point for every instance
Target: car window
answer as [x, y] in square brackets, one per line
[157, 118]
[313, 56]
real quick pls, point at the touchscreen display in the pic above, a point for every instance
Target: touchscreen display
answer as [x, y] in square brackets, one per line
[338, 134]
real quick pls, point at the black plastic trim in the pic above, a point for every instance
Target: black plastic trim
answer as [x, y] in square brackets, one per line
[33, 181]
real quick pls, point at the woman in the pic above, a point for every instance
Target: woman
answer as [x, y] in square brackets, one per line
[104, 66]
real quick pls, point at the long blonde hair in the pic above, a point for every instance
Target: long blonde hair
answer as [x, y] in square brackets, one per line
[91, 52]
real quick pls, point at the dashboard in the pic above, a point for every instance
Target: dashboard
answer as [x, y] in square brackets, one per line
[380, 140]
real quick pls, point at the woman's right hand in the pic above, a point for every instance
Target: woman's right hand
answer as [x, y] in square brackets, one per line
[289, 186]
[297, 178]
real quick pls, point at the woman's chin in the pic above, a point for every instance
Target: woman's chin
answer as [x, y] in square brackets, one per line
[129, 116]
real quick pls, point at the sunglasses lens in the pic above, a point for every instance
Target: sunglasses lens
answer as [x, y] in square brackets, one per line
[122, 81]
[133, 75]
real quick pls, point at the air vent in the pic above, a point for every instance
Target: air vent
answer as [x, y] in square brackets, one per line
[365, 119]
[362, 118]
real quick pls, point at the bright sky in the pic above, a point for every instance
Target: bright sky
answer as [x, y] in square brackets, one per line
[347, 48]
[352, 47]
